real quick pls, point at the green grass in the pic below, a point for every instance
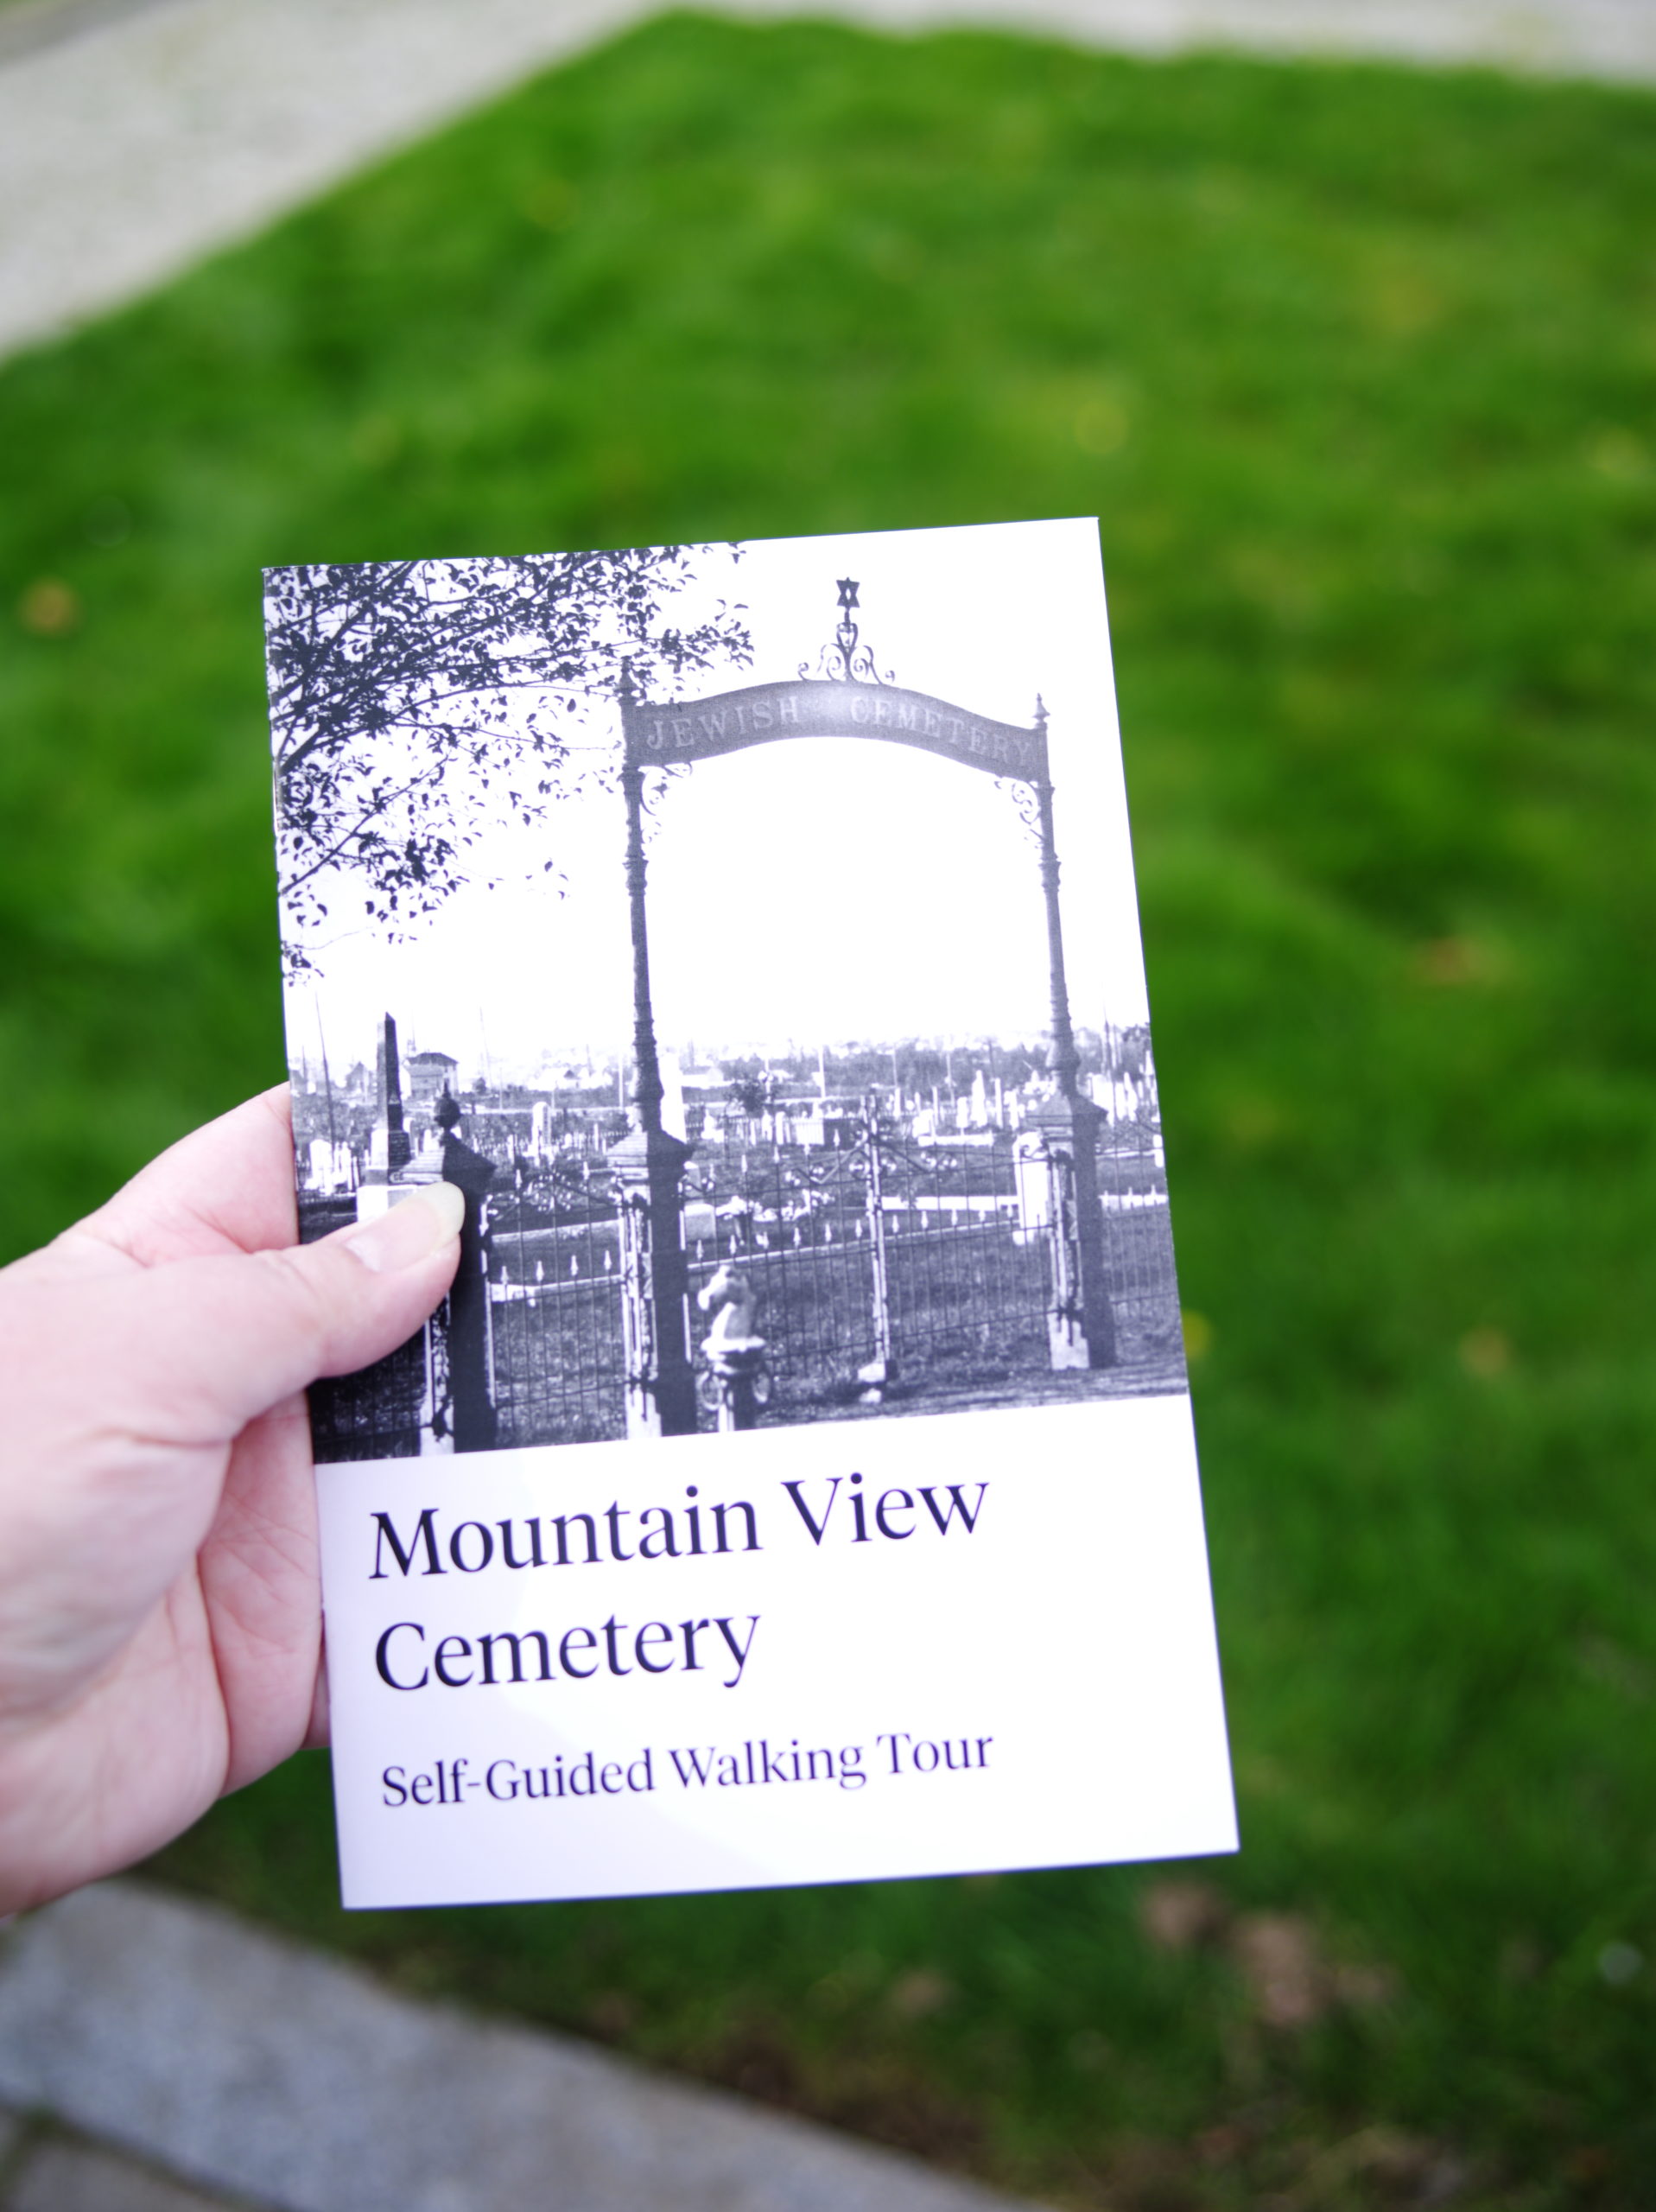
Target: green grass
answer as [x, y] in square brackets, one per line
[1359, 367]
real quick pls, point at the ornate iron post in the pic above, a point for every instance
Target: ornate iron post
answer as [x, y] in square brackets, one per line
[470, 1341]
[880, 1372]
[1081, 1320]
[649, 1167]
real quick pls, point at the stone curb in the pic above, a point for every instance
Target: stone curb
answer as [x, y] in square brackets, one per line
[27, 26]
[242, 2063]
[137, 136]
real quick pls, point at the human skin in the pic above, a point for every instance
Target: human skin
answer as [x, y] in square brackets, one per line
[160, 1592]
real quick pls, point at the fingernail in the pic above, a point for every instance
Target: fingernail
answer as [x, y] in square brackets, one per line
[414, 1228]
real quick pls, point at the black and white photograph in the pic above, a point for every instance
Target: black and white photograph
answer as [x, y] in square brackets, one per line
[750, 931]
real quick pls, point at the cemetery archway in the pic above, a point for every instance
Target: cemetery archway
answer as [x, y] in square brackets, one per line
[848, 699]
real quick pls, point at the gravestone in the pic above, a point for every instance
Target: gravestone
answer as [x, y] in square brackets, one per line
[389, 1150]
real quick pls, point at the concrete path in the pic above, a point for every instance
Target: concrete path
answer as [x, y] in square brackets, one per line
[195, 2062]
[138, 135]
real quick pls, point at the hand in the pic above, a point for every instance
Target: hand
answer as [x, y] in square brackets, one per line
[160, 1602]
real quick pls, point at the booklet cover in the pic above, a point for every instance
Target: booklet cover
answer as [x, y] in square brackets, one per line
[798, 1483]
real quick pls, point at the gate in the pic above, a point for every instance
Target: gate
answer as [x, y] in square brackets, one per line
[1139, 1254]
[552, 1255]
[882, 1268]
[879, 1263]
[848, 697]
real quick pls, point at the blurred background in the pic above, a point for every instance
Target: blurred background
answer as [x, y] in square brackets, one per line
[1356, 361]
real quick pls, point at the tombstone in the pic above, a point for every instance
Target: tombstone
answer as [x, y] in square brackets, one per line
[389, 1150]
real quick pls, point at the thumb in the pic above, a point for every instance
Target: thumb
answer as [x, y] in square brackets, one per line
[220, 1340]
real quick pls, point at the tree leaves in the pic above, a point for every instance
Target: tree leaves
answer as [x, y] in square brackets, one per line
[405, 695]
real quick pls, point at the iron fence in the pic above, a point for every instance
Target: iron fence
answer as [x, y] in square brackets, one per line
[1139, 1244]
[378, 1412]
[879, 1262]
[553, 1258]
[881, 1265]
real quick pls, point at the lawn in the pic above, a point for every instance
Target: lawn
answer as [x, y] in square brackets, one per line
[1359, 368]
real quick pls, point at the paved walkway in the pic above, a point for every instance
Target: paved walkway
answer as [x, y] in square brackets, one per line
[159, 2056]
[137, 135]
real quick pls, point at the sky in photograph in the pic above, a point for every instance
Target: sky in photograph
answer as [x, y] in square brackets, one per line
[816, 890]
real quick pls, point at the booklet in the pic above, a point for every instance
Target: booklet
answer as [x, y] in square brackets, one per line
[798, 1483]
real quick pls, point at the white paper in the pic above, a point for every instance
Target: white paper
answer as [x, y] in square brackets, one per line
[954, 1614]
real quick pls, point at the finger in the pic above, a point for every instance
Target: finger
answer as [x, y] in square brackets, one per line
[261, 1579]
[210, 1344]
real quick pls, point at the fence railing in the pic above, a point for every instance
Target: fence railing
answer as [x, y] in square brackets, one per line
[381, 1412]
[554, 1273]
[886, 1269]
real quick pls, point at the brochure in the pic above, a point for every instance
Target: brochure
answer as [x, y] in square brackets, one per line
[798, 1483]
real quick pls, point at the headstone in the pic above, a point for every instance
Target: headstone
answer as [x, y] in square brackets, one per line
[389, 1134]
[389, 1150]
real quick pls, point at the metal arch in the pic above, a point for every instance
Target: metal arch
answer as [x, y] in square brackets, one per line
[660, 733]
